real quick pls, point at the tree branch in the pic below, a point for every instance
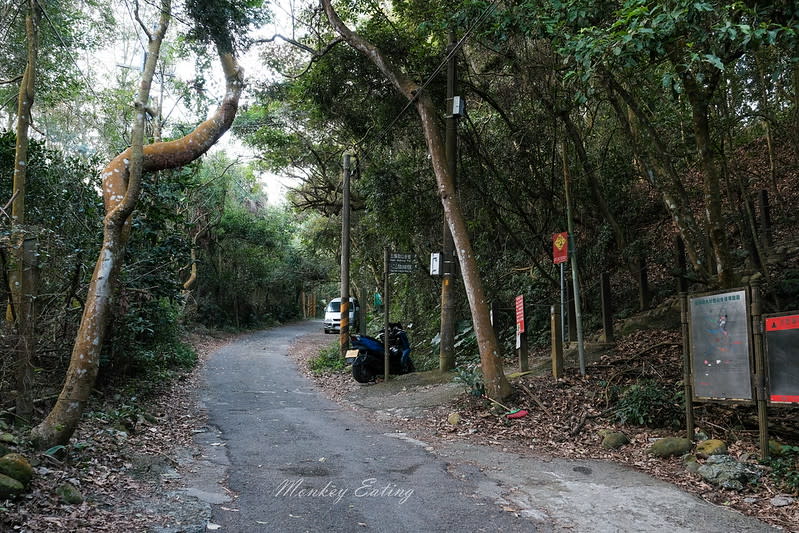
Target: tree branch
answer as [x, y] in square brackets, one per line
[316, 55]
[139, 20]
[12, 80]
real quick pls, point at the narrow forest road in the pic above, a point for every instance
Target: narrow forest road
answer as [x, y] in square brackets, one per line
[299, 462]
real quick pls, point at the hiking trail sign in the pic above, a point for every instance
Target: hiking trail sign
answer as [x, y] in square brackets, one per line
[719, 332]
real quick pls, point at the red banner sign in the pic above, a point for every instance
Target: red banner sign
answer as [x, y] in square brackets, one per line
[520, 314]
[782, 357]
[560, 247]
[785, 398]
[782, 323]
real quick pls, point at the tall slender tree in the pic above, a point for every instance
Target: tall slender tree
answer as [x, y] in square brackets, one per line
[497, 385]
[23, 278]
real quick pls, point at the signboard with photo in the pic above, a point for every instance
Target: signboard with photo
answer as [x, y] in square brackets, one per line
[720, 343]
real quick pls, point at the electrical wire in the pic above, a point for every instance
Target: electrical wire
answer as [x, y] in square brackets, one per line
[432, 76]
[11, 23]
[64, 44]
[458, 45]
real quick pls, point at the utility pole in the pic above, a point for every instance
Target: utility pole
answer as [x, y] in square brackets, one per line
[573, 258]
[344, 325]
[446, 356]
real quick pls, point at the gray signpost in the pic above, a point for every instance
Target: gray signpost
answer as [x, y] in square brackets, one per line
[400, 263]
[734, 353]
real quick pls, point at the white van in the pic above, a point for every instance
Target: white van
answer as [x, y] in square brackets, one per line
[333, 315]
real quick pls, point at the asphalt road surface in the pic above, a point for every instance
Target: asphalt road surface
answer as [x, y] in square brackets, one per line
[298, 462]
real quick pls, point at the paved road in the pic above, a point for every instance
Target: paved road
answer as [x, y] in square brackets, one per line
[298, 462]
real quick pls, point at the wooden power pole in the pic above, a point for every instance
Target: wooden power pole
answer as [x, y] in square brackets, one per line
[446, 356]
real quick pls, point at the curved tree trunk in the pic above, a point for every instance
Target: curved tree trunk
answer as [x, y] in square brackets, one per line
[121, 187]
[497, 385]
[619, 234]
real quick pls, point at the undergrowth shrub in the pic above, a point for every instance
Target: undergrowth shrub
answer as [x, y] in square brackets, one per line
[650, 404]
[471, 377]
[148, 341]
[785, 468]
[328, 360]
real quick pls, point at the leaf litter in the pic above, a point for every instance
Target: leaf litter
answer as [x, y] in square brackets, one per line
[565, 418]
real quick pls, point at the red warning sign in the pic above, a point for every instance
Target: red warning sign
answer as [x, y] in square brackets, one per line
[560, 247]
[520, 314]
[782, 357]
[782, 323]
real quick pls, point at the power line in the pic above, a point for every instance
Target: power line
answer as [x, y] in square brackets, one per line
[432, 76]
[69, 53]
[11, 23]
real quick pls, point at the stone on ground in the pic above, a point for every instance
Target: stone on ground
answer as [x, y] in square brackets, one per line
[709, 447]
[69, 494]
[9, 487]
[15, 466]
[614, 440]
[670, 446]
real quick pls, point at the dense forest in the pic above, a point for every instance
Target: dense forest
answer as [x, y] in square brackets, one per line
[673, 123]
[656, 122]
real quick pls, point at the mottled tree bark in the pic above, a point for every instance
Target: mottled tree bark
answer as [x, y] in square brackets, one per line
[121, 187]
[24, 276]
[496, 383]
[655, 165]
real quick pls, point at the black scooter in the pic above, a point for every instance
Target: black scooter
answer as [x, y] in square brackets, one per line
[370, 362]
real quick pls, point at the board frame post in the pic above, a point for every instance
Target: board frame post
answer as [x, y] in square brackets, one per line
[686, 363]
[761, 392]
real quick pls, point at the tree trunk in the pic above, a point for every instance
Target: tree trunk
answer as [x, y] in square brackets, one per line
[654, 162]
[26, 255]
[714, 224]
[24, 279]
[121, 187]
[765, 110]
[497, 385]
[795, 80]
[596, 192]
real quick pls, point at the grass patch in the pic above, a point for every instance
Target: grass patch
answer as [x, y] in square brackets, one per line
[784, 466]
[328, 360]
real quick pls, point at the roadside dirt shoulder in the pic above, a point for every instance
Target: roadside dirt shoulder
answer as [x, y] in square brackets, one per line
[565, 421]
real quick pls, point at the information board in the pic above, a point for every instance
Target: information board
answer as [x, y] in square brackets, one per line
[720, 346]
[400, 263]
[782, 356]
